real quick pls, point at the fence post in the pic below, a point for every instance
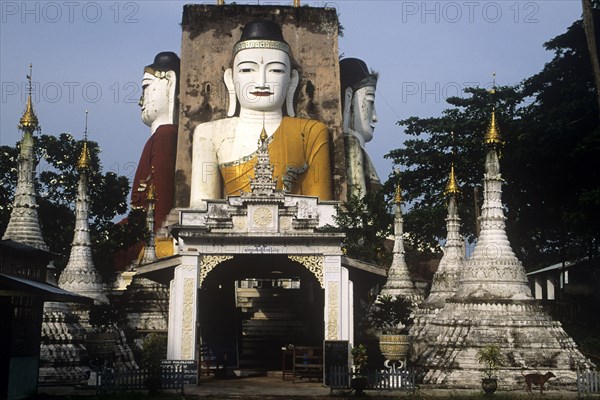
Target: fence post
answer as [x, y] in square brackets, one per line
[181, 379]
[578, 383]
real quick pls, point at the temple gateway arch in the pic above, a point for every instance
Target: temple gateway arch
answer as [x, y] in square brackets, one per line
[240, 243]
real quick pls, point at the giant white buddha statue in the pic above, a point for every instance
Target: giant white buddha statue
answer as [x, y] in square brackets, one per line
[160, 88]
[260, 82]
[159, 112]
[358, 86]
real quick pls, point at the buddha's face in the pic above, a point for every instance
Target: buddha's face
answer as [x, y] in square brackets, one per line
[364, 117]
[261, 78]
[155, 98]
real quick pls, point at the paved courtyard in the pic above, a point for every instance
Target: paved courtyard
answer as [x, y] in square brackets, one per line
[272, 387]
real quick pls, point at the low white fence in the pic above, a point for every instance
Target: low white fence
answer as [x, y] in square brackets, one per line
[588, 382]
[340, 377]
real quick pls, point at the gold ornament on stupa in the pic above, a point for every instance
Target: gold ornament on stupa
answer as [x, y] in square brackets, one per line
[398, 194]
[151, 194]
[493, 136]
[29, 121]
[263, 136]
[452, 187]
[84, 158]
[151, 191]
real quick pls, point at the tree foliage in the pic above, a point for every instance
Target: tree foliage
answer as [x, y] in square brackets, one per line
[367, 222]
[56, 183]
[549, 162]
[426, 160]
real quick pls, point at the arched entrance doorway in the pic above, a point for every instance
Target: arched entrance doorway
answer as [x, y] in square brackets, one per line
[250, 306]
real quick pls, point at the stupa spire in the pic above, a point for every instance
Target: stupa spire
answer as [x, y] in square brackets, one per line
[493, 138]
[452, 189]
[399, 282]
[263, 184]
[446, 277]
[24, 226]
[84, 162]
[80, 275]
[29, 121]
[492, 305]
[493, 271]
[150, 247]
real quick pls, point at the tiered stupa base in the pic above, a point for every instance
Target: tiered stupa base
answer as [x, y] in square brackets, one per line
[528, 338]
[63, 358]
[147, 306]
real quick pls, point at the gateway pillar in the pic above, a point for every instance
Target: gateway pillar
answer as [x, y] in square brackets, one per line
[181, 342]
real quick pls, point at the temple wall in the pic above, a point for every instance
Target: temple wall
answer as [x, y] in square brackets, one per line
[209, 33]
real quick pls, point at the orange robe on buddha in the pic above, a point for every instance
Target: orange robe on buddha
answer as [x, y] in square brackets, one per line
[299, 153]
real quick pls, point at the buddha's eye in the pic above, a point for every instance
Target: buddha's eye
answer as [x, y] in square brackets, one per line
[278, 71]
[246, 70]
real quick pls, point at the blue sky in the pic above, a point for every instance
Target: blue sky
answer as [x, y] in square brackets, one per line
[89, 55]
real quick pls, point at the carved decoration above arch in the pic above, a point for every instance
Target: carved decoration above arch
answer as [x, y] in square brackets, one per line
[313, 263]
[207, 264]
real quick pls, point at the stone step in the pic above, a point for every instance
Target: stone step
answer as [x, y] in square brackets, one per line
[265, 292]
[274, 315]
[250, 323]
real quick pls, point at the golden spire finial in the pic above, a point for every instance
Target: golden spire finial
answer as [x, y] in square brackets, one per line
[452, 187]
[84, 158]
[151, 191]
[220, 2]
[493, 136]
[296, 3]
[29, 121]
[398, 194]
[263, 135]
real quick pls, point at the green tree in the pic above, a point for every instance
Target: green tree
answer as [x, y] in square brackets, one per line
[559, 144]
[56, 184]
[367, 222]
[426, 160]
[549, 162]
[8, 178]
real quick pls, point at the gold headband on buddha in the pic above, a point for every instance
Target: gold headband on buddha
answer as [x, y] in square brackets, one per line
[261, 44]
[156, 73]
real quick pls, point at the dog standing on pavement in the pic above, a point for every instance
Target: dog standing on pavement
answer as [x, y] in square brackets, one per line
[537, 379]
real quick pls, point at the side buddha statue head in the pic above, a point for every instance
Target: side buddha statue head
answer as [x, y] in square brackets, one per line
[262, 77]
[358, 86]
[160, 88]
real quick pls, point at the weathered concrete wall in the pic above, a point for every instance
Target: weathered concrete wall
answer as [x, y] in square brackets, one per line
[209, 34]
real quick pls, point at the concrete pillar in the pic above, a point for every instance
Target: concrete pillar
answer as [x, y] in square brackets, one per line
[181, 342]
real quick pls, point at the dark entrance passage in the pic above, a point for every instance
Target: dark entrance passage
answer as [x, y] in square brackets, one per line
[253, 305]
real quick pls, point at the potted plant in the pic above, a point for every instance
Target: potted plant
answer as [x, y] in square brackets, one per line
[391, 317]
[359, 380]
[154, 351]
[492, 359]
